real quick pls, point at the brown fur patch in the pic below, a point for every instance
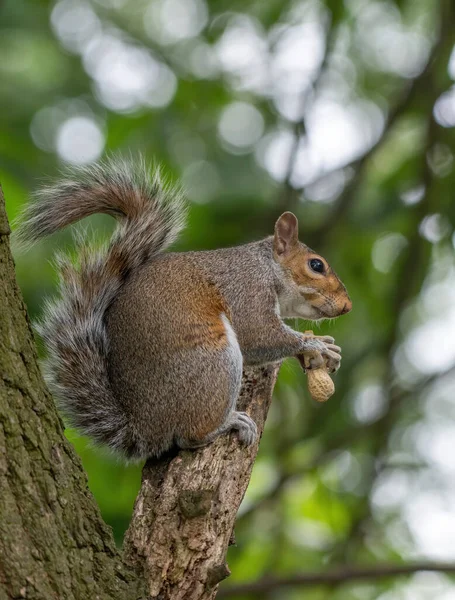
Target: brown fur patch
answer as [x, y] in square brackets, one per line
[205, 307]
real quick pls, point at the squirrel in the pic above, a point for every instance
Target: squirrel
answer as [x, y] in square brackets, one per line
[146, 347]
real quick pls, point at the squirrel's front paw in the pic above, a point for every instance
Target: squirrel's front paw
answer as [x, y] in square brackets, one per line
[246, 427]
[320, 349]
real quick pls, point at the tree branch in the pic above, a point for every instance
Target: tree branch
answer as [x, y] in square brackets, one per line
[185, 511]
[336, 576]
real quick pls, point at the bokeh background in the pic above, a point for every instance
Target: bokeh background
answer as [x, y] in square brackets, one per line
[343, 112]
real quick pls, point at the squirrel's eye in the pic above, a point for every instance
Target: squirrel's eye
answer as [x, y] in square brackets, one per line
[316, 265]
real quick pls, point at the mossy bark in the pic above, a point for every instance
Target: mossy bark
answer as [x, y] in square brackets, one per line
[53, 542]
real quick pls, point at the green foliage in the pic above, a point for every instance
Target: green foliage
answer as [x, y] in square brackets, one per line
[338, 483]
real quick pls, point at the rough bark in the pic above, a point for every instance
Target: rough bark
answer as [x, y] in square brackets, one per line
[185, 512]
[53, 542]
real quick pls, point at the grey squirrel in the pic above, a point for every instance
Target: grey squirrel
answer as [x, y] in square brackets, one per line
[146, 347]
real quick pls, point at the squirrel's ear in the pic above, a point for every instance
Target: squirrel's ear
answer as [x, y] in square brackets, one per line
[286, 233]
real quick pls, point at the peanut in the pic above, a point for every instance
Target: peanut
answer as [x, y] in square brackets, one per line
[320, 384]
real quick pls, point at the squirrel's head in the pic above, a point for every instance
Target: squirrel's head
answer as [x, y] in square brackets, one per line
[311, 289]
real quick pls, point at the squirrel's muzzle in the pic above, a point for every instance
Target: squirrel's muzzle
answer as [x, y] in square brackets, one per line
[346, 308]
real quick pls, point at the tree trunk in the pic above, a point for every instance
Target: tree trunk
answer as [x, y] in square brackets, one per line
[53, 542]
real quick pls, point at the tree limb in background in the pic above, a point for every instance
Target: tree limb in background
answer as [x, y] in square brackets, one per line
[409, 280]
[344, 575]
[410, 91]
[185, 512]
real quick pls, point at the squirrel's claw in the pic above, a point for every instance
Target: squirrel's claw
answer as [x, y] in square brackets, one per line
[332, 356]
[327, 339]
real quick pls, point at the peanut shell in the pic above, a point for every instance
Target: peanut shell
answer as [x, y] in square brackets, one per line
[320, 384]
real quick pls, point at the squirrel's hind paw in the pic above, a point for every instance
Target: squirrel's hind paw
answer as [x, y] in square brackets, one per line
[246, 427]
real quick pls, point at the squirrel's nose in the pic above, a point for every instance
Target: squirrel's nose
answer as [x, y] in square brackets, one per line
[346, 308]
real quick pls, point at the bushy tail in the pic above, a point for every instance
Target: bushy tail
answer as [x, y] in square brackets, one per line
[150, 218]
